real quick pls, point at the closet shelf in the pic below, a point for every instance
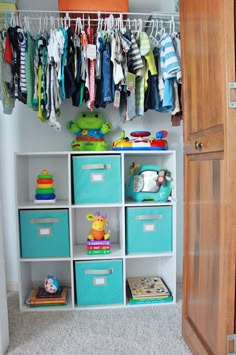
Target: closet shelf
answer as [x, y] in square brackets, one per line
[37, 15]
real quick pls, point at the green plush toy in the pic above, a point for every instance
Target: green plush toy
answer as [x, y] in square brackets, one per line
[89, 129]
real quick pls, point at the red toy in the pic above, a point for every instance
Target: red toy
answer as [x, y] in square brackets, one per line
[142, 140]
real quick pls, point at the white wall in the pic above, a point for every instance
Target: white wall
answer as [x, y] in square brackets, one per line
[4, 331]
[23, 131]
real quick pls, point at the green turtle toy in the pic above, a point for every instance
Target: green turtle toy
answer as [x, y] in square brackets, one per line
[89, 129]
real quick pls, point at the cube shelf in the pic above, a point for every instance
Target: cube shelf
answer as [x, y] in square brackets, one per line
[142, 232]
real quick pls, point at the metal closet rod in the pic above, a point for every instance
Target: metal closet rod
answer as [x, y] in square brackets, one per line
[48, 13]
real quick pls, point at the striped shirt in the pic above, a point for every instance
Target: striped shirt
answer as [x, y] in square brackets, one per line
[170, 65]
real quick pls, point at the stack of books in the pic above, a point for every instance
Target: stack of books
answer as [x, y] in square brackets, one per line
[95, 247]
[147, 290]
[39, 297]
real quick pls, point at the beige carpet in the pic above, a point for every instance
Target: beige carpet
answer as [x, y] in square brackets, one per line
[145, 331]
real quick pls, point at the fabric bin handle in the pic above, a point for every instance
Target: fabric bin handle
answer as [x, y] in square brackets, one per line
[98, 272]
[96, 166]
[149, 217]
[44, 220]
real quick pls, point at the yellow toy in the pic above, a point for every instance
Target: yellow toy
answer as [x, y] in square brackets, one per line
[99, 222]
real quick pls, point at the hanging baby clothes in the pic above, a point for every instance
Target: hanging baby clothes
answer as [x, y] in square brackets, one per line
[22, 42]
[69, 67]
[91, 55]
[77, 97]
[12, 32]
[144, 47]
[94, 68]
[6, 80]
[30, 77]
[53, 93]
[42, 70]
[170, 66]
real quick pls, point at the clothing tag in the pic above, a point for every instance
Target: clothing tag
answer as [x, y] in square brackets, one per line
[91, 51]
[131, 82]
[117, 99]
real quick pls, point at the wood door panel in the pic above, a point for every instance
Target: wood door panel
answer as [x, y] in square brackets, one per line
[202, 254]
[203, 57]
[208, 65]
[212, 141]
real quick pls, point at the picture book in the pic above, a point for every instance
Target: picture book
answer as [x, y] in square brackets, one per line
[96, 252]
[98, 242]
[147, 300]
[150, 301]
[148, 287]
[98, 247]
[33, 300]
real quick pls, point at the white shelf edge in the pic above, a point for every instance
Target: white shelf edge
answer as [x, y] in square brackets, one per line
[33, 206]
[25, 260]
[78, 255]
[93, 205]
[150, 255]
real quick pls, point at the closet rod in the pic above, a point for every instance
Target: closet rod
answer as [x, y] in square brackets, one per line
[58, 12]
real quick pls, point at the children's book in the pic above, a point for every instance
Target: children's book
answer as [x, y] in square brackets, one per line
[150, 301]
[98, 242]
[147, 300]
[33, 300]
[42, 293]
[148, 287]
[96, 252]
[98, 247]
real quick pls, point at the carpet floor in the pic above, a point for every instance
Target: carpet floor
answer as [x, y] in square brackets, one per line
[146, 331]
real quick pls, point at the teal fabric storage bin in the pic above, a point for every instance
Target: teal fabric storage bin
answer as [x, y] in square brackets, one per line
[148, 229]
[44, 233]
[99, 282]
[97, 179]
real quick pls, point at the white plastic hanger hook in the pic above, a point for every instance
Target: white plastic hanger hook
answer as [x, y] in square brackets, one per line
[140, 25]
[152, 28]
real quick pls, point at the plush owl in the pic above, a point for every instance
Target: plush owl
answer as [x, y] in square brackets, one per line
[51, 284]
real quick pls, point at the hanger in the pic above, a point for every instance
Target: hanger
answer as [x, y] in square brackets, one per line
[152, 28]
[45, 23]
[140, 25]
[99, 21]
[134, 23]
[88, 21]
[128, 25]
[52, 23]
[121, 23]
[67, 18]
[78, 25]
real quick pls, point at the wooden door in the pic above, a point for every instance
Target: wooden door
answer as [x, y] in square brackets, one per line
[208, 63]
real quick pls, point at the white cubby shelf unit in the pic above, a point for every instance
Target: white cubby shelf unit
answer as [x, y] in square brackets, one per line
[33, 270]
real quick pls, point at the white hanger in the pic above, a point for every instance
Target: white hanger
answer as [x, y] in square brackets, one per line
[173, 25]
[88, 21]
[78, 25]
[45, 23]
[140, 25]
[152, 28]
[99, 21]
[128, 23]
[52, 22]
[134, 22]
